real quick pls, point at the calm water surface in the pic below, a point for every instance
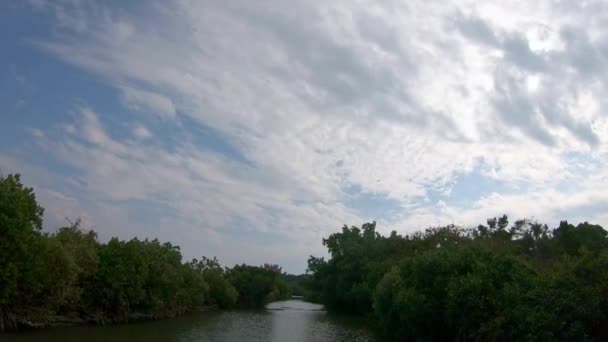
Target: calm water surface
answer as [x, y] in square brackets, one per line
[290, 320]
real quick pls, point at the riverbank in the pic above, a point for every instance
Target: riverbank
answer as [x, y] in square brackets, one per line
[495, 282]
[298, 321]
[45, 275]
[75, 320]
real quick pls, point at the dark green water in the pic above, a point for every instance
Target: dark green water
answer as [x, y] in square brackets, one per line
[282, 321]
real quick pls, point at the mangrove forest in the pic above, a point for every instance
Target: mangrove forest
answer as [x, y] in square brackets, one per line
[499, 281]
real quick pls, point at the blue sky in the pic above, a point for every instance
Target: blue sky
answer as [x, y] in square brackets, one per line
[249, 131]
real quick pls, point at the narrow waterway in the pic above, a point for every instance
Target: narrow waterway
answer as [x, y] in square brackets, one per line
[291, 320]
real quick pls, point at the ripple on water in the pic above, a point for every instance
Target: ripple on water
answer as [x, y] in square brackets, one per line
[292, 320]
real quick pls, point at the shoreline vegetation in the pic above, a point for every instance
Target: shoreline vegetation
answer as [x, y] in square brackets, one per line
[67, 321]
[498, 281]
[69, 277]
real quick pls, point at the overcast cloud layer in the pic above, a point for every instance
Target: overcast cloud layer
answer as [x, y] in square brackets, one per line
[251, 129]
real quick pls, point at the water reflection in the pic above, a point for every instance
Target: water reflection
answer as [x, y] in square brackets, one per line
[292, 320]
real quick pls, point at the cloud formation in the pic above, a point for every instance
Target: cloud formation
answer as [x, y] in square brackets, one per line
[267, 120]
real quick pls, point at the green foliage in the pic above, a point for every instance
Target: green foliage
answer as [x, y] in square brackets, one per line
[145, 277]
[81, 248]
[343, 282]
[452, 293]
[296, 284]
[221, 292]
[20, 223]
[494, 282]
[71, 273]
[257, 286]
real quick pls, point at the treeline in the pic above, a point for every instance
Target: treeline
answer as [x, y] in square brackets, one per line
[70, 275]
[296, 284]
[496, 282]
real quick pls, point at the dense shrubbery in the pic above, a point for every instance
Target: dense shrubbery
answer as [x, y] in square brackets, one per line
[70, 273]
[256, 286]
[296, 284]
[494, 282]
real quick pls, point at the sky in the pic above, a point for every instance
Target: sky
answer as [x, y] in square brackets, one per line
[250, 130]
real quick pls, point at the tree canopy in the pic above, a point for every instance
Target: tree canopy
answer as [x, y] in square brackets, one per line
[494, 282]
[71, 273]
[497, 281]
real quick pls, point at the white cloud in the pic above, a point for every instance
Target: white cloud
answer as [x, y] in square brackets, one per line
[141, 132]
[204, 193]
[60, 209]
[395, 98]
[36, 133]
[146, 101]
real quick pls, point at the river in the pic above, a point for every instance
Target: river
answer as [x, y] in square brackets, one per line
[291, 320]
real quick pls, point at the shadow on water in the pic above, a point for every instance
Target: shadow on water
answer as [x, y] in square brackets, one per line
[291, 320]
